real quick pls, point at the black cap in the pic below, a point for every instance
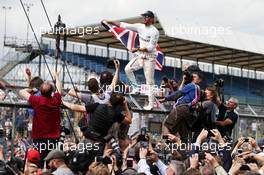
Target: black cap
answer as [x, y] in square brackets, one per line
[148, 14]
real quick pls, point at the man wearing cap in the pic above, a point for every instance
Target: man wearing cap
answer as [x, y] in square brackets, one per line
[33, 156]
[56, 161]
[31, 166]
[146, 53]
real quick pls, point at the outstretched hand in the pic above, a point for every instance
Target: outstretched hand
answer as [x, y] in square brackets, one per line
[117, 64]
[162, 100]
[108, 21]
[28, 72]
[133, 50]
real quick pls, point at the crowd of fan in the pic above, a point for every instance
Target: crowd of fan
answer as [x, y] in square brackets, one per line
[196, 137]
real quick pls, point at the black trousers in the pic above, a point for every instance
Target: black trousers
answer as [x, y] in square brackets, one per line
[179, 121]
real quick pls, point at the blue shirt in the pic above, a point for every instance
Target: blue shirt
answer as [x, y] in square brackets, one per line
[190, 95]
[29, 110]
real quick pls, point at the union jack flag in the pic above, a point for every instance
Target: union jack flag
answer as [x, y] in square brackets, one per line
[130, 39]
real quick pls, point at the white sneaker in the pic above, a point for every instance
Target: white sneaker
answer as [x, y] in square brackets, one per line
[148, 108]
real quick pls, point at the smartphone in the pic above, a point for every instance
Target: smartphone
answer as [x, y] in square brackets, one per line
[141, 137]
[129, 162]
[104, 160]
[239, 151]
[244, 168]
[165, 137]
[210, 134]
[201, 155]
[246, 140]
[131, 152]
[144, 144]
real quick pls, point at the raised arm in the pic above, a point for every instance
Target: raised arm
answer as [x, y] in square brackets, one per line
[128, 116]
[182, 82]
[224, 123]
[115, 23]
[72, 92]
[74, 107]
[116, 76]
[133, 27]
[58, 83]
[174, 95]
[28, 76]
[25, 93]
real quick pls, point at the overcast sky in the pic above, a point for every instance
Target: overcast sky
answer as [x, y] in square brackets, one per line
[240, 15]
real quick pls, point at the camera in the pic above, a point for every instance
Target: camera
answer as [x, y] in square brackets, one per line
[1, 132]
[262, 148]
[244, 168]
[110, 63]
[131, 153]
[246, 140]
[239, 151]
[210, 134]
[227, 139]
[64, 131]
[165, 79]
[142, 139]
[116, 151]
[201, 155]
[165, 137]
[189, 71]
[105, 160]
[129, 163]
[219, 83]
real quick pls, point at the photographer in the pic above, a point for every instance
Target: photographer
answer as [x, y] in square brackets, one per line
[98, 95]
[104, 115]
[247, 163]
[227, 117]
[209, 159]
[207, 111]
[245, 144]
[181, 114]
[168, 86]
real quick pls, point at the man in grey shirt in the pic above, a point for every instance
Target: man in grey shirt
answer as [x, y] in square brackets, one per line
[56, 161]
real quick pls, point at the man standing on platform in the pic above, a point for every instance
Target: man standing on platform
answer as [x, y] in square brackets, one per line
[46, 118]
[146, 53]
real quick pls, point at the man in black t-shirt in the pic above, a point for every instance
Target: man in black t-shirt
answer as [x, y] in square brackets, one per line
[227, 118]
[103, 116]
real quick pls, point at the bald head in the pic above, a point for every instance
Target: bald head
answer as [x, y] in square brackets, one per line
[47, 88]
